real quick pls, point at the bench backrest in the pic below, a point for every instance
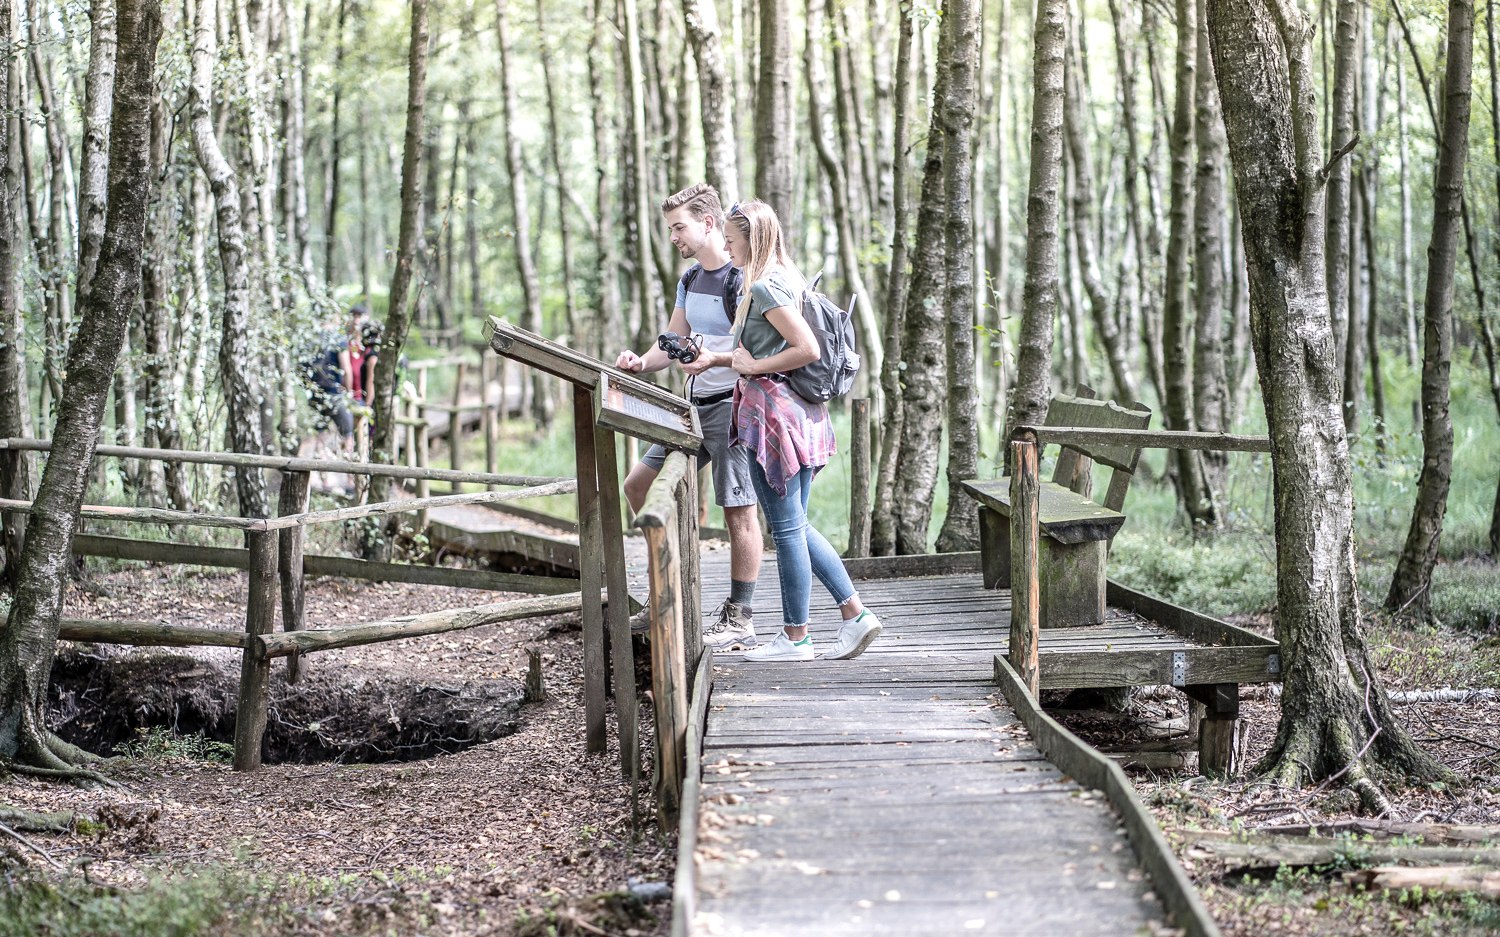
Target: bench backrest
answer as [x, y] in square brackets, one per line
[1075, 462]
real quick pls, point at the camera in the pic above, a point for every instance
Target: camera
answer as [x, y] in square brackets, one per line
[682, 348]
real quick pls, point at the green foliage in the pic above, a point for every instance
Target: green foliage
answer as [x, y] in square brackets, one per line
[156, 743]
[206, 902]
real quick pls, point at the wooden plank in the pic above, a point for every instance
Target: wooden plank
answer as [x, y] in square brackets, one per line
[146, 633]
[289, 464]
[692, 574]
[1025, 589]
[1089, 767]
[590, 568]
[292, 500]
[668, 659]
[1135, 667]
[1065, 516]
[154, 551]
[255, 667]
[415, 626]
[1193, 625]
[1150, 439]
[617, 614]
[906, 567]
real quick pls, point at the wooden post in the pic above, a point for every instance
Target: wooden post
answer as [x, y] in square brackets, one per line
[612, 542]
[455, 423]
[591, 568]
[692, 585]
[659, 519]
[255, 667]
[294, 489]
[859, 479]
[487, 414]
[1025, 609]
[536, 686]
[1218, 730]
[419, 447]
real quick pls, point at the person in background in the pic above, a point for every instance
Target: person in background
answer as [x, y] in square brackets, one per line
[706, 295]
[788, 438]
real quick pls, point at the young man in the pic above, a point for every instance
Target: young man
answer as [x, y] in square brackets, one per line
[706, 298]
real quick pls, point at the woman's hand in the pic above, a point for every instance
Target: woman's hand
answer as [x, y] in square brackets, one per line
[744, 362]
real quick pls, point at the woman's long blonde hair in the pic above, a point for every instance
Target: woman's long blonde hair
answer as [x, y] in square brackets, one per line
[757, 222]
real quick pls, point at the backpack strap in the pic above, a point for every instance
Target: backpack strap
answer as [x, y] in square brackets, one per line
[691, 275]
[732, 282]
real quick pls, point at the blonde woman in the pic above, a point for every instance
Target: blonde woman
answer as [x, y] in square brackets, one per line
[789, 438]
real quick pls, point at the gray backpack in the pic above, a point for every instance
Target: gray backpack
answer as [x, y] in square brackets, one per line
[832, 375]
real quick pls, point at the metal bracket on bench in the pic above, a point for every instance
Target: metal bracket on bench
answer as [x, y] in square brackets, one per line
[1179, 668]
[1273, 664]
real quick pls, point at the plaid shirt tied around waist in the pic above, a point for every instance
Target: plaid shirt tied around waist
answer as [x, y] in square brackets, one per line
[783, 432]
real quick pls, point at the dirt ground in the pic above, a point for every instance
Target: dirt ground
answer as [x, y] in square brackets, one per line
[528, 834]
[500, 838]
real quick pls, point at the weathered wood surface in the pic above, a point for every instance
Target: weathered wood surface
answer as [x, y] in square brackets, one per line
[891, 794]
[1066, 516]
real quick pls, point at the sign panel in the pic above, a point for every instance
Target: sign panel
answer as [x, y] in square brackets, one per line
[621, 404]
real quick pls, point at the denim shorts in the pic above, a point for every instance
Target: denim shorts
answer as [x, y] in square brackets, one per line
[731, 464]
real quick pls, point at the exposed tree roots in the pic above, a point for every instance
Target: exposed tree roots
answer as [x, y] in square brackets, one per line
[1324, 751]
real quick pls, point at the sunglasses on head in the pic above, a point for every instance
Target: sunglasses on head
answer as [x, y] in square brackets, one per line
[734, 210]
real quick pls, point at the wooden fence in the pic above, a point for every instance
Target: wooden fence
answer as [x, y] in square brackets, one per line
[275, 560]
[669, 519]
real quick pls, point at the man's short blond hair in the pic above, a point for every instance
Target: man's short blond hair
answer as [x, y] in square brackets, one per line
[701, 201]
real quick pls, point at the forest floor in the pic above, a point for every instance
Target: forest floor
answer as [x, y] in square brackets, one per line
[526, 834]
[513, 836]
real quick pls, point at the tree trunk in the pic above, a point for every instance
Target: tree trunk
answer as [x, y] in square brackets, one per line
[295, 101]
[237, 360]
[775, 164]
[1413, 576]
[1192, 488]
[1336, 236]
[1336, 719]
[564, 213]
[30, 636]
[608, 332]
[1487, 331]
[1210, 394]
[398, 313]
[1408, 290]
[883, 515]
[1371, 112]
[716, 107]
[638, 179]
[162, 356]
[1088, 251]
[93, 165]
[866, 323]
[16, 468]
[1033, 387]
[924, 377]
[960, 529]
[335, 150]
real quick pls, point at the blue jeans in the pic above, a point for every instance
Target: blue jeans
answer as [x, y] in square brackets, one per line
[801, 552]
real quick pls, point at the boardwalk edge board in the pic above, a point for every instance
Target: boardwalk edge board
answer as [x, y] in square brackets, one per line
[1088, 767]
[685, 885]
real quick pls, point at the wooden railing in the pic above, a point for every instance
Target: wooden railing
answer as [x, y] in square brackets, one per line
[275, 560]
[669, 519]
[1025, 532]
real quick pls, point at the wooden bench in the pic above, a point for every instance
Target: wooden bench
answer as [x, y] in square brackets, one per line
[1076, 529]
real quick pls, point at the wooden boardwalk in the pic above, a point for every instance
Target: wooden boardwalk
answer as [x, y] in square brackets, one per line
[897, 793]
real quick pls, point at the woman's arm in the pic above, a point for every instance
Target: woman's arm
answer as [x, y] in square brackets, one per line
[801, 345]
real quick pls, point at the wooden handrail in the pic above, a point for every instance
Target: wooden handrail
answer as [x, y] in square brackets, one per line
[306, 518]
[1147, 438]
[659, 519]
[292, 464]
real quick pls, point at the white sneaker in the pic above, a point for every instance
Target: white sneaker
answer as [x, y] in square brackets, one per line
[733, 631]
[855, 635]
[783, 648]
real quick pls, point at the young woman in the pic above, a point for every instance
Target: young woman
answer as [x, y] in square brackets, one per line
[789, 438]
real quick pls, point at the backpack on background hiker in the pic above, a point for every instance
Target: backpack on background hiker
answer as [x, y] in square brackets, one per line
[832, 375]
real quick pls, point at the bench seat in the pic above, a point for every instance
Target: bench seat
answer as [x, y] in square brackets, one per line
[1063, 515]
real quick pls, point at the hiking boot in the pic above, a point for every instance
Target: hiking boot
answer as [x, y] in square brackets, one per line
[733, 631]
[783, 648]
[855, 635]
